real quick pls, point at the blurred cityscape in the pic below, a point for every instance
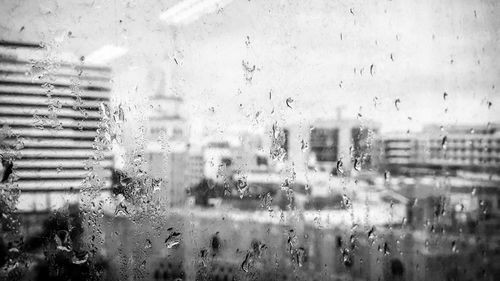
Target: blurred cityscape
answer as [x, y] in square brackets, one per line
[334, 198]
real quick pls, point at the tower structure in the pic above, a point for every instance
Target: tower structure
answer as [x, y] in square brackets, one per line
[166, 150]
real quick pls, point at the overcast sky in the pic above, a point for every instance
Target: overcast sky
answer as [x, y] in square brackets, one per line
[310, 51]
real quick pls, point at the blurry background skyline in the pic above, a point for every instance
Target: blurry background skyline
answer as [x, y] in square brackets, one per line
[203, 159]
[321, 54]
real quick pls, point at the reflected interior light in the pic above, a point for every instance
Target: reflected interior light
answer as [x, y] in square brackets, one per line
[105, 54]
[190, 10]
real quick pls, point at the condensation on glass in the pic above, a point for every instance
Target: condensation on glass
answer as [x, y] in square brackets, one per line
[249, 140]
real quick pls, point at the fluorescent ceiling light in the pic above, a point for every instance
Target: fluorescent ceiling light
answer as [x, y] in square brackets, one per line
[105, 54]
[188, 11]
[177, 9]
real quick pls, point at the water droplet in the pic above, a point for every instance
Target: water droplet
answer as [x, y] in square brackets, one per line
[248, 70]
[121, 209]
[352, 239]
[64, 248]
[105, 111]
[346, 202]
[340, 165]
[247, 41]
[371, 233]
[300, 256]
[387, 176]
[347, 258]
[267, 202]
[454, 246]
[245, 265]
[148, 245]
[443, 142]
[278, 135]
[121, 113]
[303, 145]
[357, 165]
[173, 240]
[242, 186]
[386, 249]
[80, 257]
[396, 103]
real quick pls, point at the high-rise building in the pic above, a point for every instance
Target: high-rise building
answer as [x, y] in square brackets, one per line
[219, 159]
[399, 148]
[321, 144]
[470, 148]
[166, 151]
[195, 168]
[54, 139]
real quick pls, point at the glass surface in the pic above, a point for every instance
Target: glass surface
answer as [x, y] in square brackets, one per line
[249, 140]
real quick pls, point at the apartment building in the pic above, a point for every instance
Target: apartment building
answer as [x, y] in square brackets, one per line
[54, 115]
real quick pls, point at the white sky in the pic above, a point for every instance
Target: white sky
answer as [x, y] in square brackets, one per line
[298, 52]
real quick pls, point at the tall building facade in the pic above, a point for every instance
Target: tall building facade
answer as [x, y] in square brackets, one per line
[325, 144]
[195, 168]
[53, 127]
[473, 148]
[166, 150]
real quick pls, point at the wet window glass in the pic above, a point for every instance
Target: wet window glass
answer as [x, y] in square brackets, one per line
[249, 140]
